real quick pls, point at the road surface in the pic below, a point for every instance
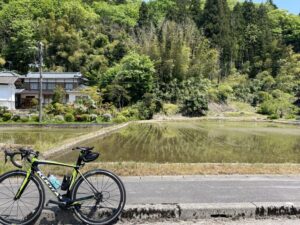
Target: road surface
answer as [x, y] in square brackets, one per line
[212, 189]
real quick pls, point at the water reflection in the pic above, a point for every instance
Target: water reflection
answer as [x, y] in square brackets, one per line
[202, 141]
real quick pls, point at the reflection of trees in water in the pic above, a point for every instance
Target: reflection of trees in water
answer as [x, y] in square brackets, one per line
[37, 137]
[187, 142]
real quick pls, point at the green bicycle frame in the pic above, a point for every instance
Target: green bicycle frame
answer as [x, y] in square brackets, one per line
[35, 169]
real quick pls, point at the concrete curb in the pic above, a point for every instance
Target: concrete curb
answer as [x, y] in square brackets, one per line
[184, 212]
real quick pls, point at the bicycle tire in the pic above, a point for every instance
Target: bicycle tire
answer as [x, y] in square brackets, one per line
[10, 182]
[108, 180]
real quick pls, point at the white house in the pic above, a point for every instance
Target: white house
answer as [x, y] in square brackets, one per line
[8, 89]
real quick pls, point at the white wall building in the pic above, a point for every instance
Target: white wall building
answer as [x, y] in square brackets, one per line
[8, 89]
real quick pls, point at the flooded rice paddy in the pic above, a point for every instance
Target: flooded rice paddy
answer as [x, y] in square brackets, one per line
[198, 142]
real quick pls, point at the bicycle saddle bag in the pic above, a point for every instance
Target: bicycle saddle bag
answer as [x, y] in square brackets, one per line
[90, 156]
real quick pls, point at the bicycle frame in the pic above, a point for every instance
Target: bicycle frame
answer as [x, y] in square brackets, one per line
[34, 169]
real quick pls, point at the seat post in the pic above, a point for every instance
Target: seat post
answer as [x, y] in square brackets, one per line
[79, 160]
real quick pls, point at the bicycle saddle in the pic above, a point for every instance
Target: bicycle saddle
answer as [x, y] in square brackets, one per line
[83, 148]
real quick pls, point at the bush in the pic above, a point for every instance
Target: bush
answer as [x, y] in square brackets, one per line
[280, 107]
[224, 91]
[195, 105]
[84, 118]
[170, 109]
[107, 117]
[3, 109]
[69, 117]
[93, 117]
[59, 118]
[263, 96]
[130, 112]
[7, 116]
[34, 118]
[120, 119]
[273, 117]
[16, 118]
[24, 119]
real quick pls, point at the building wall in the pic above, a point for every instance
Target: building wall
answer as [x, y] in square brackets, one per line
[7, 96]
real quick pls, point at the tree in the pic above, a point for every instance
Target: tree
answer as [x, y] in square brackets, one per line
[216, 17]
[144, 16]
[58, 95]
[117, 94]
[135, 74]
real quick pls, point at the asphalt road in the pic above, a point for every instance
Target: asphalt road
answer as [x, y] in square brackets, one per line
[212, 189]
[209, 189]
[277, 221]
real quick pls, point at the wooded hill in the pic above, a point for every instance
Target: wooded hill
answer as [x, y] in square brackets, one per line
[187, 53]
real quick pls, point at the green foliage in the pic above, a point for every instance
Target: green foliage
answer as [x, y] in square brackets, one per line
[16, 118]
[170, 109]
[133, 77]
[34, 118]
[280, 106]
[120, 119]
[249, 52]
[58, 95]
[69, 117]
[194, 97]
[3, 110]
[224, 92]
[123, 14]
[7, 116]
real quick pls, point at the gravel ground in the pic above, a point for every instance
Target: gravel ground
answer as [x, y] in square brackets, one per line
[223, 222]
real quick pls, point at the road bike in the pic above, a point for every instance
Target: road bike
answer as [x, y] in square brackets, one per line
[97, 197]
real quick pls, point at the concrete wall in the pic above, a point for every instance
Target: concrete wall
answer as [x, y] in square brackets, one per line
[7, 96]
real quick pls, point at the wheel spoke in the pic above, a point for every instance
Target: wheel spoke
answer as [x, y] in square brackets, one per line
[107, 204]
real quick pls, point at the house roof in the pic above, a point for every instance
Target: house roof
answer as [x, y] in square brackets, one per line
[8, 77]
[55, 75]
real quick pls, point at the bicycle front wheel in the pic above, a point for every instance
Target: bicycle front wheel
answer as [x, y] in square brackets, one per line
[100, 196]
[28, 207]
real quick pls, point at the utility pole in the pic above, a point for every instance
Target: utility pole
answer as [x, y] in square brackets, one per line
[41, 82]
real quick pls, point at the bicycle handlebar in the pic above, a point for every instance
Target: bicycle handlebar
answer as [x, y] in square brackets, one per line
[25, 153]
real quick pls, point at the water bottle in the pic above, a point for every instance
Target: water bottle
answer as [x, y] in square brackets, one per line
[54, 181]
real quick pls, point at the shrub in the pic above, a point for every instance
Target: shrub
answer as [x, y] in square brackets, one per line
[195, 106]
[263, 96]
[93, 117]
[170, 109]
[99, 119]
[120, 119]
[24, 119]
[281, 106]
[34, 118]
[130, 112]
[69, 117]
[107, 117]
[224, 91]
[3, 109]
[273, 117]
[59, 109]
[16, 118]
[59, 118]
[85, 118]
[7, 116]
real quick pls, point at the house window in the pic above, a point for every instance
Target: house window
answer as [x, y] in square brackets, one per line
[51, 86]
[69, 86]
[34, 86]
[44, 86]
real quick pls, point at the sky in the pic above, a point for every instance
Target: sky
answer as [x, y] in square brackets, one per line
[292, 6]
